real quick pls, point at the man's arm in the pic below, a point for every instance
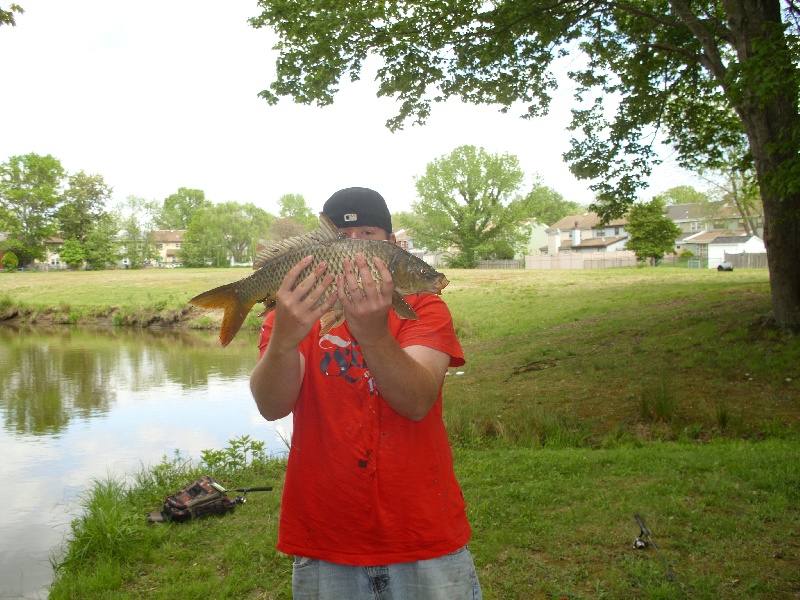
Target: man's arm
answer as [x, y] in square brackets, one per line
[409, 379]
[276, 380]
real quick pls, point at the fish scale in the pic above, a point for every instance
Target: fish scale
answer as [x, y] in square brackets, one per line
[410, 275]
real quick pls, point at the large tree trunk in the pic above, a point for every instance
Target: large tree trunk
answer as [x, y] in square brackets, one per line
[772, 124]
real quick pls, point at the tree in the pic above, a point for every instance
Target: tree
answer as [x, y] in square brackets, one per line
[547, 206]
[223, 232]
[294, 207]
[734, 182]
[742, 192]
[136, 220]
[10, 261]
[29, 197]
[682, 194]
[84, 202]
[285, 228]
[179, 208]
[466, 201]
[72, 253]
[7, 16]
[101, 248]
[703, 74]
[652, 234]
[403, 220]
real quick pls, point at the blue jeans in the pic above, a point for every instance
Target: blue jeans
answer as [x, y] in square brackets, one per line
[449, 577]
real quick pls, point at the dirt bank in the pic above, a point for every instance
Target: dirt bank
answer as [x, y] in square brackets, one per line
[114, 316]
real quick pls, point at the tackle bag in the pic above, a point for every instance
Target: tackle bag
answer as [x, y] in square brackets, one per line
[204, 496]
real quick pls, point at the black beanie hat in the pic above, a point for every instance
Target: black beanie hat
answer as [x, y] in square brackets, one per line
[358, 207]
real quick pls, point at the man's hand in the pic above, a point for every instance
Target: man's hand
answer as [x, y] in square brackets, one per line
[366, 307]
[276, 379]
[295, 309]
[407, 378]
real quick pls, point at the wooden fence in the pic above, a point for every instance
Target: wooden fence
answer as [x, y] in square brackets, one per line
[747, 260]
[582, 260]
[501, 264]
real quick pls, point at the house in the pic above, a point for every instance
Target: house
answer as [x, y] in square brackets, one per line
[168, 245]
[697, 242]
[537, 241]
[405, 239]
[708, 216]
[584, 233]
[733, 244]
[402, 237]
[52, 259]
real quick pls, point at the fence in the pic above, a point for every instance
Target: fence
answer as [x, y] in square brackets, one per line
[747, 260]
[582, 260]
[501, 264]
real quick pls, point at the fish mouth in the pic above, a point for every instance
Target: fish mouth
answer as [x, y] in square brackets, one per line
[440, 285]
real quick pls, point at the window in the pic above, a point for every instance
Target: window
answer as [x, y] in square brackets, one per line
[694, 226]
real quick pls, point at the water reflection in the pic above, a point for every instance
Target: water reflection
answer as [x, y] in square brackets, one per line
[77, 405]
[67, 373]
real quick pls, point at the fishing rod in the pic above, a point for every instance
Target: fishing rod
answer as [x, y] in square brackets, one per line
[640, 544]
[243, 498]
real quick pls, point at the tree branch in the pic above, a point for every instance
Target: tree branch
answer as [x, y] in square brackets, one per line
[704, 36]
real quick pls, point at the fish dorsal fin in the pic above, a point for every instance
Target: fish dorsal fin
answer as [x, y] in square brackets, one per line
[327, 232]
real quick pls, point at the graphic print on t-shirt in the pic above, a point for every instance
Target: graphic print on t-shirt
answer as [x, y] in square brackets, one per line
[342, 358]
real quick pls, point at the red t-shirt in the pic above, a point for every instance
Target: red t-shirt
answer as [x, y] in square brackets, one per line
[365, 486]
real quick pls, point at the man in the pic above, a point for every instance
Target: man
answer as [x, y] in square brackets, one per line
[371, 507]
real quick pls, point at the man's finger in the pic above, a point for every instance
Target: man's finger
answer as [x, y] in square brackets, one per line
[291, 276]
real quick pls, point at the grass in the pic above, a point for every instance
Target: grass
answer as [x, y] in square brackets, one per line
[546, 523]
[587, 397]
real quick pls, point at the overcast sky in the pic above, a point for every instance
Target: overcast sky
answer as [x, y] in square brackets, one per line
[155, 96]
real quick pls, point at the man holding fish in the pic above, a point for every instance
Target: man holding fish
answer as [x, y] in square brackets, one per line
[371, 507]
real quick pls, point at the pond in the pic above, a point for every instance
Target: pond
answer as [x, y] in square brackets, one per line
[78, 405]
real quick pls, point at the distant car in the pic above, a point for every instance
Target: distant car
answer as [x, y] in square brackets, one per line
[726, 266]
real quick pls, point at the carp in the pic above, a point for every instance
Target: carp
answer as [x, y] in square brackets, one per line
[410, 275]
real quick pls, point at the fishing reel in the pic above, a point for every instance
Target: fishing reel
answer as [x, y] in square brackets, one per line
[243, 498]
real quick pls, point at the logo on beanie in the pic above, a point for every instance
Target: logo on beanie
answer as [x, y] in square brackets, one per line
[351, 217]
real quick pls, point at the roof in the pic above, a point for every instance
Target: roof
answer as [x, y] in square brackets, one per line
[700, 211]
[733, 239]
[402, 235]
[597, 242]
[585, 221]
[600, 242]
[703, 237]
[168, 236]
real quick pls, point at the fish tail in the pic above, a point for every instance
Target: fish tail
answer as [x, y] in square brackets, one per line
[226, 298]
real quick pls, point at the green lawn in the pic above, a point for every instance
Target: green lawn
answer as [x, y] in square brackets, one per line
[588, 396]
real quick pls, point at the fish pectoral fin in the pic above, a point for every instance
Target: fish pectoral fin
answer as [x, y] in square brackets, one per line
[332, 318]
[269, 306]
[402, 308]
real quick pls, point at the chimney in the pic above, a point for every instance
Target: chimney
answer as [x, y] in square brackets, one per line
[576, 235]
[553, 242]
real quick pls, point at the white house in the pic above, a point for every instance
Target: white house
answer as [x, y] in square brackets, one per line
[536, 241]
[733, 244]
[584, 233]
